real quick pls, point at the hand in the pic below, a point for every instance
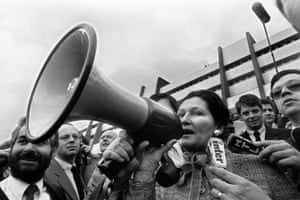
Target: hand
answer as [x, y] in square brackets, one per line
[149, 159]
[120, 149]
[229, 186]
[145, 161]
[85, 149]
[280, 152]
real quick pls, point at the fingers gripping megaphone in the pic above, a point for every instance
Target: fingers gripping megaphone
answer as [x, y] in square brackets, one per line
[69, 88]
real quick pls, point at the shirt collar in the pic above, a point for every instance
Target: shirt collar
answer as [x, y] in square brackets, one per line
[65, 165]
[261, 130]
[293, 127]
[20, 186]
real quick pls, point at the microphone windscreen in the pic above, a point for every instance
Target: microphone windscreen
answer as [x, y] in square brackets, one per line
[260, 12]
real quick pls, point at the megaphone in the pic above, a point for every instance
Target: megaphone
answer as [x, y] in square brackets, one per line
[70, 88]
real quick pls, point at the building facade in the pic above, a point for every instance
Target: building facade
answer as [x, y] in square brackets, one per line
[245, 66]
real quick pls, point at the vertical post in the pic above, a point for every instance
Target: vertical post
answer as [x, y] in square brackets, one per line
[270, 47]
[223, 78]
[258, 74]
[142, 90]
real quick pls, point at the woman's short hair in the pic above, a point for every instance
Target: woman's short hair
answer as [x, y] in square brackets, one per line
[215, 105]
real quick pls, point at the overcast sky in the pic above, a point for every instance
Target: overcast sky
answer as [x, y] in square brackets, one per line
[137, 40]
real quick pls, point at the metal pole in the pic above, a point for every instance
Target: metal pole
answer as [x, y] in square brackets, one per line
[270, 47]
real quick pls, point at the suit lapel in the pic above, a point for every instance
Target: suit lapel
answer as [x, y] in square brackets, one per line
[268, 134]
[64, 180]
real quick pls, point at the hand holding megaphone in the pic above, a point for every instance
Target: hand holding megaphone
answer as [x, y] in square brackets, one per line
[168, 173]
[123, 157]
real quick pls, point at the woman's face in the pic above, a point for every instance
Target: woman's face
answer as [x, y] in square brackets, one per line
[198, 124]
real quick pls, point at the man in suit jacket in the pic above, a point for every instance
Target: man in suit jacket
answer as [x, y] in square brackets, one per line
[285, 90]
[62, 171]
[250, 110]
[28, 163]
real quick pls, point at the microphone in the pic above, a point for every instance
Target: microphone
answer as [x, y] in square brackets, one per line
[260, 12]
[217, 152]
[239, 144]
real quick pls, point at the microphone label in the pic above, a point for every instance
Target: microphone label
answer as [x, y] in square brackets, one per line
[240, 144]
[217, 152]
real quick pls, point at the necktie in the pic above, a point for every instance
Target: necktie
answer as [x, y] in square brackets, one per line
[78, 182]
[29, 192]
[257, 136]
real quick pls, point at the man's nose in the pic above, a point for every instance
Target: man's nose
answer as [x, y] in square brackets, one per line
[72, 139]
[29, 147]
[252, 114]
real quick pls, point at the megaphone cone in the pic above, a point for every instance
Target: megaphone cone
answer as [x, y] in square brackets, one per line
[69, 88]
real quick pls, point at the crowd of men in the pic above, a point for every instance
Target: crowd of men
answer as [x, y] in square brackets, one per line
[53, 169]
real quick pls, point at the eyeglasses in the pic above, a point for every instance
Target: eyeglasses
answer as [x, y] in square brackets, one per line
[293, 86]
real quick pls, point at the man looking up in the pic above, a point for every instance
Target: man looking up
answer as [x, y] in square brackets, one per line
[28, 163]
[285, 90]
[62, 171]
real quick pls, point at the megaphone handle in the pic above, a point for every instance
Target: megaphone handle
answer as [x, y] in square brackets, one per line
[111, 168]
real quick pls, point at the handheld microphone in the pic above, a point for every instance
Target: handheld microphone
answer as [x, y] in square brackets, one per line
[217, 152]
[239, 144]
[260, 12]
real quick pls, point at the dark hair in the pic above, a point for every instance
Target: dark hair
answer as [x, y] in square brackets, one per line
[215, 105]
[248, 100]
[171, 99]
[266, 101]
[282, 73]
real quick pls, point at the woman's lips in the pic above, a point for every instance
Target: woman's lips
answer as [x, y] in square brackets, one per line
[187, 132]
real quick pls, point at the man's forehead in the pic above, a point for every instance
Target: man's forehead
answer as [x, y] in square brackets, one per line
[286, 78]
[266, 105]
[22, 132]
[112, 133]
[245, 107]
[68, 128]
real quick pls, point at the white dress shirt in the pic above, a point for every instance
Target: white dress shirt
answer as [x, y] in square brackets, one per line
[14, 189]
[262, 134]
[67, 168]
